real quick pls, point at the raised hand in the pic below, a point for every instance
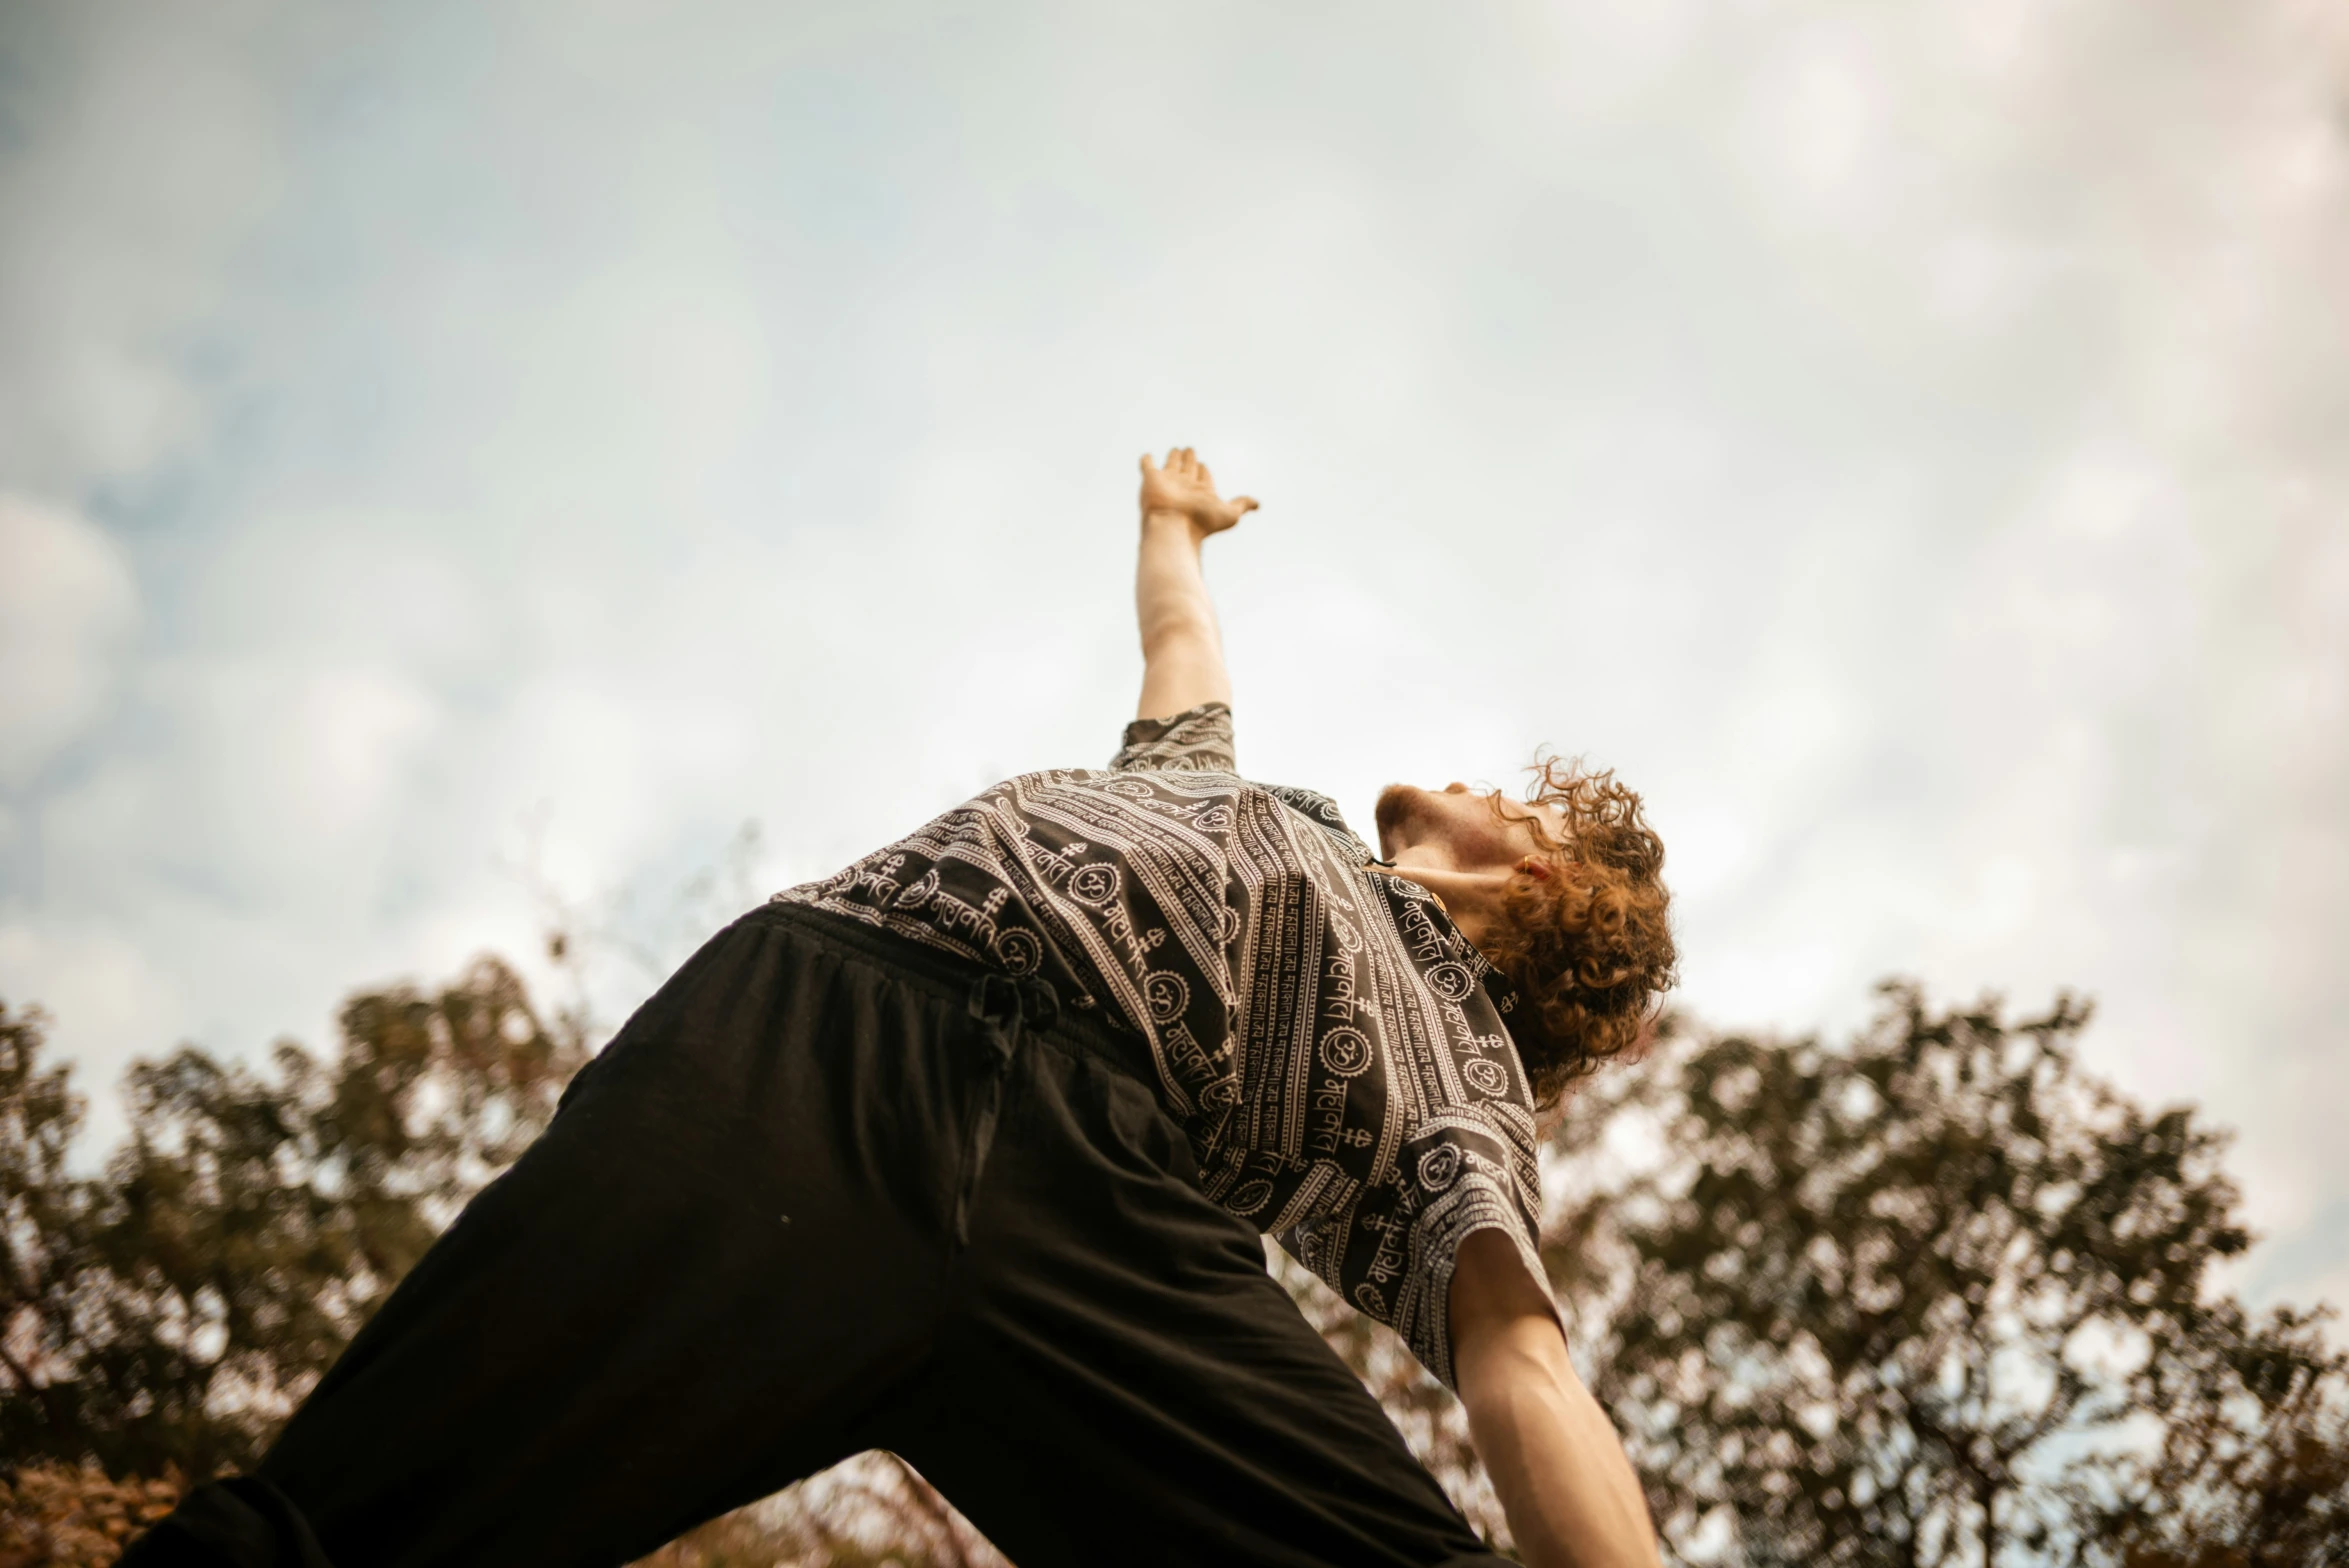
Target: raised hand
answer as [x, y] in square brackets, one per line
[1182, 652]
[1186, 489]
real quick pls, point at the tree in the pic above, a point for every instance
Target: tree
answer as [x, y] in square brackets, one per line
[2253, 1466]
[1934, 1297]
[1938, 1297]
[76, 1516]
[169, 1311]
[159, 1320]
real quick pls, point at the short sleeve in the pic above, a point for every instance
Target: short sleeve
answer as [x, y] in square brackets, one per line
[1391, 1254]
[1198, 740]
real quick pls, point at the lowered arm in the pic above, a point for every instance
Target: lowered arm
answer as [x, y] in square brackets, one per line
[1555, 1461]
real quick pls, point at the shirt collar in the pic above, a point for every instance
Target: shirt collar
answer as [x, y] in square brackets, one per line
[1506, 998]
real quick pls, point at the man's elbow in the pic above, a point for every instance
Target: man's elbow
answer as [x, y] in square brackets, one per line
[1503, 1371]
[1175, 635]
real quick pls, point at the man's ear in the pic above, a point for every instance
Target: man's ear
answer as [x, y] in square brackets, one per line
[1535, 867]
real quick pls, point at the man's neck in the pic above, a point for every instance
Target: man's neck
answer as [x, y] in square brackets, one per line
[1472, 898]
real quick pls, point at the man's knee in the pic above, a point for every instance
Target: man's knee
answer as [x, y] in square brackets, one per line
[241, 1522]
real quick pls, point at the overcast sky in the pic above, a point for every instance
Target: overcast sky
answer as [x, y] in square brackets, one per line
[1909, 442]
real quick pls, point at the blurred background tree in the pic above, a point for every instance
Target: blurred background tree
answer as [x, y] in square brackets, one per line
[160, 1318]
[170, 1310]
[1934, 1296]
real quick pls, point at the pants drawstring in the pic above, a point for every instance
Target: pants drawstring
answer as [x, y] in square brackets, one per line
[1008, 1005]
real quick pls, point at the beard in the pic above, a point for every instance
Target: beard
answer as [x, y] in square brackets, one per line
[1398, 813]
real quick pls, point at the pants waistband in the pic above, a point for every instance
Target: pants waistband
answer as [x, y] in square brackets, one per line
[989, 992]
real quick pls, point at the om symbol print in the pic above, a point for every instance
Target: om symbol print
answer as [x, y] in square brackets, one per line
[1345, 1052]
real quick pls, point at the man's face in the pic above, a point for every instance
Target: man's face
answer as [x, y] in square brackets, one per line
[1459, 829]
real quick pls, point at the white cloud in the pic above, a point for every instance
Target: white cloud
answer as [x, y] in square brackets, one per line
[68, 607]
[96, 984]
[143, 148]
[1907, 443]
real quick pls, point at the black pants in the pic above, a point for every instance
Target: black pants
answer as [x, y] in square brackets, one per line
[827, 1192]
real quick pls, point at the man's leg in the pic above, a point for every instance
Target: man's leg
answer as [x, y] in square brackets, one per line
[677, 1301]
[1121, 1381]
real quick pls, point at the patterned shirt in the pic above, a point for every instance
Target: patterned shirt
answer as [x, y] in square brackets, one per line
[1330, 1044]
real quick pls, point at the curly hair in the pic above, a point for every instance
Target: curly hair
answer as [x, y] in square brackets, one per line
[1589, 945]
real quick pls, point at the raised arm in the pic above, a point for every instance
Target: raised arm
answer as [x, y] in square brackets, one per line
[1182, 652]
[1555, 1461]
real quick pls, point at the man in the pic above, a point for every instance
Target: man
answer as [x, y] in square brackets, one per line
[966, 1151]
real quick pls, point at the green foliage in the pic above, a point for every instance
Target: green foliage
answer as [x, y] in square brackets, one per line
[1936, 1297]
[76, 1516]
[2253, 1467]
[1932, 1297]
[170, 1310]
[161, 1318]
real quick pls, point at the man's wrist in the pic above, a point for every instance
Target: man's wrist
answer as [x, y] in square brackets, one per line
[1168, 521]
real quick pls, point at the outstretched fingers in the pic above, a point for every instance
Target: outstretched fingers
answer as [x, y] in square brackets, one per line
[1182, 463]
